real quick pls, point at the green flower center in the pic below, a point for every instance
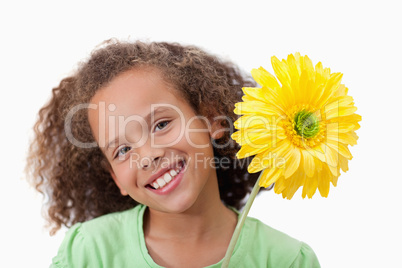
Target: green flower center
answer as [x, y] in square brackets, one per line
[306, 124]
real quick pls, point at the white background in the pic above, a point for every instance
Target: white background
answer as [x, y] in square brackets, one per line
[358, 225]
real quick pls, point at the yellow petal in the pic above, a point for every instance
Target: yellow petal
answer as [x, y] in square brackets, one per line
[247, 151]
[342, 111]
[319, 75]
[254, 107]
[331, 156]
[306, 88]
[343, 162]
[334, 171]
[340, 127]
[307, 66]
[255, 137]
[297, 180]
[294, 67]
[342, 90]
[280, 185]
[308, 162]
[345, 138]
[340, 148]
[293, 161]
[334, 180]
[270, 176]
[252, 121]
[353, 118]
[281, 71]
[288, 96]
[330, 88]
[323, 183]
[258, 163]
[294, 73]
[310, 186]
[254, 93]
[317, 153]
[342, 101]
[264, 78]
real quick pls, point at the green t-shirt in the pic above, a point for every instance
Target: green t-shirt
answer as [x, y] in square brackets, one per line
[117, 240]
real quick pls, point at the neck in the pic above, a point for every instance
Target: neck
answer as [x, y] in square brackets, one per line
[190, 224]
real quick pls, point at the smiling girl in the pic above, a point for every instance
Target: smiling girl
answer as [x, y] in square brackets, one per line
[134, 154]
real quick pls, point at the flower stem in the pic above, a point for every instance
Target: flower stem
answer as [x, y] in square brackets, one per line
[240, 223]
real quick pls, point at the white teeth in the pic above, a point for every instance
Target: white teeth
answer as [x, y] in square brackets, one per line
[155, 185]
[161, 182]
[167, 177]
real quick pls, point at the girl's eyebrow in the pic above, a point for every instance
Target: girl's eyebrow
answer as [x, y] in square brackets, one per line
[157, 110]
[147, 118]
[114, 141]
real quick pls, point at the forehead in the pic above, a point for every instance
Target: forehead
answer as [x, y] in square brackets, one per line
[134, 84]
[134, 92]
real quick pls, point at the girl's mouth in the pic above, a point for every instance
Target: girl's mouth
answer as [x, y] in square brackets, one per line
[165, 179]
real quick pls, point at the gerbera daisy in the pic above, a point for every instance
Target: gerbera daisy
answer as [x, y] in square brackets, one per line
[298, 130]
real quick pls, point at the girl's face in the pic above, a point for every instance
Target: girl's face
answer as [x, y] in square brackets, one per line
[160, 152]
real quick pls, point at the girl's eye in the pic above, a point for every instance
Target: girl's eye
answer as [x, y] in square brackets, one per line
[161, 125]
[122, 151]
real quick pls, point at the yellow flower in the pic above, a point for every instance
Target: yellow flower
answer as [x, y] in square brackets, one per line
[298, 130]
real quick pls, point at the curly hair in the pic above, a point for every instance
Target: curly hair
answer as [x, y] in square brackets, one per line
[76, 180]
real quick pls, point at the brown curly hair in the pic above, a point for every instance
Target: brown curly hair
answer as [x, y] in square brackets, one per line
[76, 180]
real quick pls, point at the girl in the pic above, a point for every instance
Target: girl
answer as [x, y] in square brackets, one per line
[134, 154]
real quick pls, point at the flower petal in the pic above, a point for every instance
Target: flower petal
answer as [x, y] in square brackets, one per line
[343, 162]
[323, 183]
[345, 138]
[331, 156]
[330, 88]
[340, 148]
[270, 176]
[341, 111]
[280, 185]
[298, 179]
[254, 93]
[342, 101]
[253, 121]
[264, 78]
[247, 151]
[310, 186]
[341, 127]
[254, 107]
[293, 161]
[308, 162]
[257, 164]
[281, 71]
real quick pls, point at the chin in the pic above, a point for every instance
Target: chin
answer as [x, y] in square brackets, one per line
[180, 205]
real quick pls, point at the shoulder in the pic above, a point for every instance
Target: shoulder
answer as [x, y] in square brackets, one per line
[273, 248]
[110, 222]
[96, 242]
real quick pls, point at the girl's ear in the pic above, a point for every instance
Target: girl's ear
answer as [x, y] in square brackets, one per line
[122, 190]
[217, 130]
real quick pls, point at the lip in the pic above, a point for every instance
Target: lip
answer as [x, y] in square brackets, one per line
[171, 186]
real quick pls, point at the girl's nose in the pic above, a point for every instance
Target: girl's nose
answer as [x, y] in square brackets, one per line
[151, 162]
[149, 156]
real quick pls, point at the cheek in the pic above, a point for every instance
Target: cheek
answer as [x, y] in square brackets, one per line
[125, 173]
[198, 138]
[197, 135]
[171, 138]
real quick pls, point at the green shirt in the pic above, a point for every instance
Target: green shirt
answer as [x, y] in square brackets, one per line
[117, 240]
